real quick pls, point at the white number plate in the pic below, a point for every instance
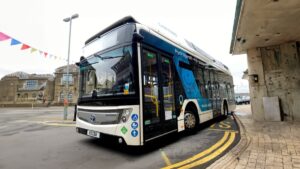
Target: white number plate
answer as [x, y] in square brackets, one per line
[93, 133]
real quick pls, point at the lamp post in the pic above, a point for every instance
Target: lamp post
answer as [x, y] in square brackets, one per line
[66, 102]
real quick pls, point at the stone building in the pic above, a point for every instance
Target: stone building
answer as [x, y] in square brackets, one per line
[23, 89]
[61, 81]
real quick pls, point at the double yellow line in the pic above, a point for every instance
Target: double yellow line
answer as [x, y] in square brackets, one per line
[206, 155]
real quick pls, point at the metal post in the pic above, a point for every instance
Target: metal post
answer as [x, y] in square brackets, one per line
[66, 101]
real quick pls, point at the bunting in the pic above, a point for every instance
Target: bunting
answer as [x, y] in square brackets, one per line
[24, 46]
[3, 36]
[33, 50]
[14, 42]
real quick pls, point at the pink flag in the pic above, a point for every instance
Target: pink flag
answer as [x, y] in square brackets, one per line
[3, 36]
[45, 53]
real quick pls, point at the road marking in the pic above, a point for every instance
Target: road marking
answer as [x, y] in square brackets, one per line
[203, 153]
[62, 124]
[224, 125]
[213, 155]
[224, 130]
[165, 157]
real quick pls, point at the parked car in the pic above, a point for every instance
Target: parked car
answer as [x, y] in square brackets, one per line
[242, 100]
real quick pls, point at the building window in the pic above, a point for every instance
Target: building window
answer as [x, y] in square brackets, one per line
[70, 97]
[65, 78]
[62, 97]
[31, 84]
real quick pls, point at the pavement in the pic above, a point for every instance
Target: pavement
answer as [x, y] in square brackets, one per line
[263, 145]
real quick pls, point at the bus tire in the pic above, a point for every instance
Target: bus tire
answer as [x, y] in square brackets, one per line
[190, 121]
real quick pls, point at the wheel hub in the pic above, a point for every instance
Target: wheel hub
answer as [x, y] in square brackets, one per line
[189, 120]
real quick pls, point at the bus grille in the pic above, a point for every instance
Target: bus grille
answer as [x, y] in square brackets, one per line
[99, 117]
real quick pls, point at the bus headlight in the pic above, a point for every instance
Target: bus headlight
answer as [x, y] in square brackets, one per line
[125, 115]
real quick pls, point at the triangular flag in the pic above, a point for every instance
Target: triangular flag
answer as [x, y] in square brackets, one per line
[55, 57]
[14, 42]
[45, 53]
[24, 46]
[32, 50]
[41, 52]
[3, 36]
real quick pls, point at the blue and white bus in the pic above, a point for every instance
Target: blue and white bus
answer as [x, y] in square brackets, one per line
[139, 83]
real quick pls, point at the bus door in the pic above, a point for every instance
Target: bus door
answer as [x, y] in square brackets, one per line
[159, 115]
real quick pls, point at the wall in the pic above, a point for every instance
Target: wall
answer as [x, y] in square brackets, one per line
[278, 70]
[8, 90]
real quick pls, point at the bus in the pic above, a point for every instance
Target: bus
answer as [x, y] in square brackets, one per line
[139, 83]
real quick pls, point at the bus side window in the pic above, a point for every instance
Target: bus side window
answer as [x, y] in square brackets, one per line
[206, 82]
[223, 90]
[228, 88]
[202, 83]
[208, 88]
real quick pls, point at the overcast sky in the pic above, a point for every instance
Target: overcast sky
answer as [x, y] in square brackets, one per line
[39, 23]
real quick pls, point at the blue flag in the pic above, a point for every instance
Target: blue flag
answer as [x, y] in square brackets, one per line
[14, 42]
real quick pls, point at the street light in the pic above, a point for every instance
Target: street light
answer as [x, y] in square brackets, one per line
[66, 102]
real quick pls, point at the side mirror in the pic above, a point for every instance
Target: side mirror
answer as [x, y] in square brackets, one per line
[81, 59]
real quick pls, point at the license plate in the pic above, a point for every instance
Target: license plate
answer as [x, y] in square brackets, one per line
[93, 133]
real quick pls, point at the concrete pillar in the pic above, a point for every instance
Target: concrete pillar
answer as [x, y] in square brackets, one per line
[278, 71]
[291, 68]
[258, 89]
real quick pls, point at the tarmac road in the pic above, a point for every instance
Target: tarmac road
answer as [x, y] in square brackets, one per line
[36, 138]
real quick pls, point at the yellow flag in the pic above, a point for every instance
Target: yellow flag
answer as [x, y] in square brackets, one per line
[33, 50]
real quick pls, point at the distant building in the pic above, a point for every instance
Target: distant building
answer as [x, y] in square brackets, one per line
[21, 89]
[61, 81]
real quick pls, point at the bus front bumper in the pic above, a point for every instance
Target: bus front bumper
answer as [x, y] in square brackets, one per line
[129, 132]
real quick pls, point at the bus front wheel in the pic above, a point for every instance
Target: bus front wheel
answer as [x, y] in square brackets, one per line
[189, 120]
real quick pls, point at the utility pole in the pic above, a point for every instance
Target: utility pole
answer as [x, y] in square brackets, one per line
[66, 96]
